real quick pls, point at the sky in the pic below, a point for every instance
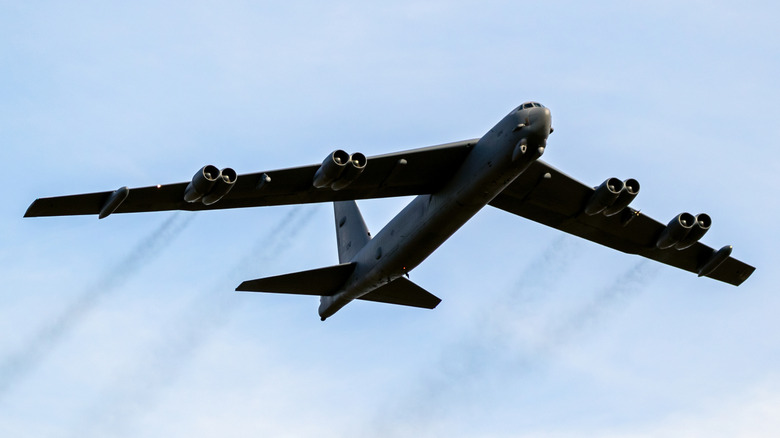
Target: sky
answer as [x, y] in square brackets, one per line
[130, 326]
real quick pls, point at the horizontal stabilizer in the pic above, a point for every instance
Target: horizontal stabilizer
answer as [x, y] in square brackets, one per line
[404, 292]
[321, 282]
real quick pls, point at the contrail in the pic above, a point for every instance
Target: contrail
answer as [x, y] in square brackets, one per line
[15, 367]
[459, 366]
[629, 284]
[535, 283]
[461, 371]
[123, 404]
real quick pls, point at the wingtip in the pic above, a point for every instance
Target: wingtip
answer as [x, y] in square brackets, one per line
[744, 275]
[30, 212]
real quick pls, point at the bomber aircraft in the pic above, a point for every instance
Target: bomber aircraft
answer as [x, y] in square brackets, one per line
[452, 182]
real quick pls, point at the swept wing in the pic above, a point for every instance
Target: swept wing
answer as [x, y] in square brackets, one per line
[546, 195]
[412, 172]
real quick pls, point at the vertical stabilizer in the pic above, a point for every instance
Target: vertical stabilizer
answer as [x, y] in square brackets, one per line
[351, 231]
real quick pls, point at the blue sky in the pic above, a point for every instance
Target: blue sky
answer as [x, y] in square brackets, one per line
[129, 326]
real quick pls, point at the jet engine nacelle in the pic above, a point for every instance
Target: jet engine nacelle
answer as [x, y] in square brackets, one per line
[210, 184]
[331, 169]
[702, 224]
[629, 192]
[605, 195]
[339, 169]
[224, 184]
[677, 230]
[201, 183]
[357, 162]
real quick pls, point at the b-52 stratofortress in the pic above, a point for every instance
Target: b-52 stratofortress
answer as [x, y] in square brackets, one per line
[452, 182]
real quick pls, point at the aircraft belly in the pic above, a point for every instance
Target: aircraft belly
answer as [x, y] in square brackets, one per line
[429, 220]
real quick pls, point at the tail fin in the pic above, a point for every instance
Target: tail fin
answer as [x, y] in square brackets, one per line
[351, 235]
[351, 231]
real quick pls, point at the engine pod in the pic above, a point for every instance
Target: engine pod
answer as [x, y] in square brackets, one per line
[629, 192]
[604, 196]
[201, 183]
[221, 188]
[677, 229]
[331, 169]
[700, 227]
[353, 169]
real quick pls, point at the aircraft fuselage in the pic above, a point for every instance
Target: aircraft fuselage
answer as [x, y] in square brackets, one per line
[497, 159]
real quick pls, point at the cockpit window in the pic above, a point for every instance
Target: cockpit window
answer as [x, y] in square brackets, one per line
[531, 105]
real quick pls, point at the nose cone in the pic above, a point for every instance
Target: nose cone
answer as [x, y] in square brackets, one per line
[540, 121]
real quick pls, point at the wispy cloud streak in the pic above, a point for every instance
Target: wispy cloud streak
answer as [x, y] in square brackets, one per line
[460, 364]
[121, 404]
[629, 284]
[461, 372]
[18, 365]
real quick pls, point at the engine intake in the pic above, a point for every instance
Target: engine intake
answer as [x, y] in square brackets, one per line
[224, 184]
[331, 169]
[677, 229]
[605, 195]
[339, 170]
[209, 185]
[700, 226]
[629, 192]
[201, 183]
[357, 162]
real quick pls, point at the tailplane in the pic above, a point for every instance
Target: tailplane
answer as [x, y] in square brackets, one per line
[321, 282]
[403, 292]
[351, 236]
[326, 282]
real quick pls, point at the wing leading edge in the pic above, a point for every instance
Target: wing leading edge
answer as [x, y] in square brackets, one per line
[411, 172]
[548, 196]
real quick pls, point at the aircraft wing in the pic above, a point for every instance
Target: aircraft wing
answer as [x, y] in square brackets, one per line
[546, 195]
[412, 172]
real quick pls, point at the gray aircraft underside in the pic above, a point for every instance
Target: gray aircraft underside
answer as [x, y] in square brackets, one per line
[453, 182]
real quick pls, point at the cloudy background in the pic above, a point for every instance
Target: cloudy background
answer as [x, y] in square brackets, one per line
[129, 326]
